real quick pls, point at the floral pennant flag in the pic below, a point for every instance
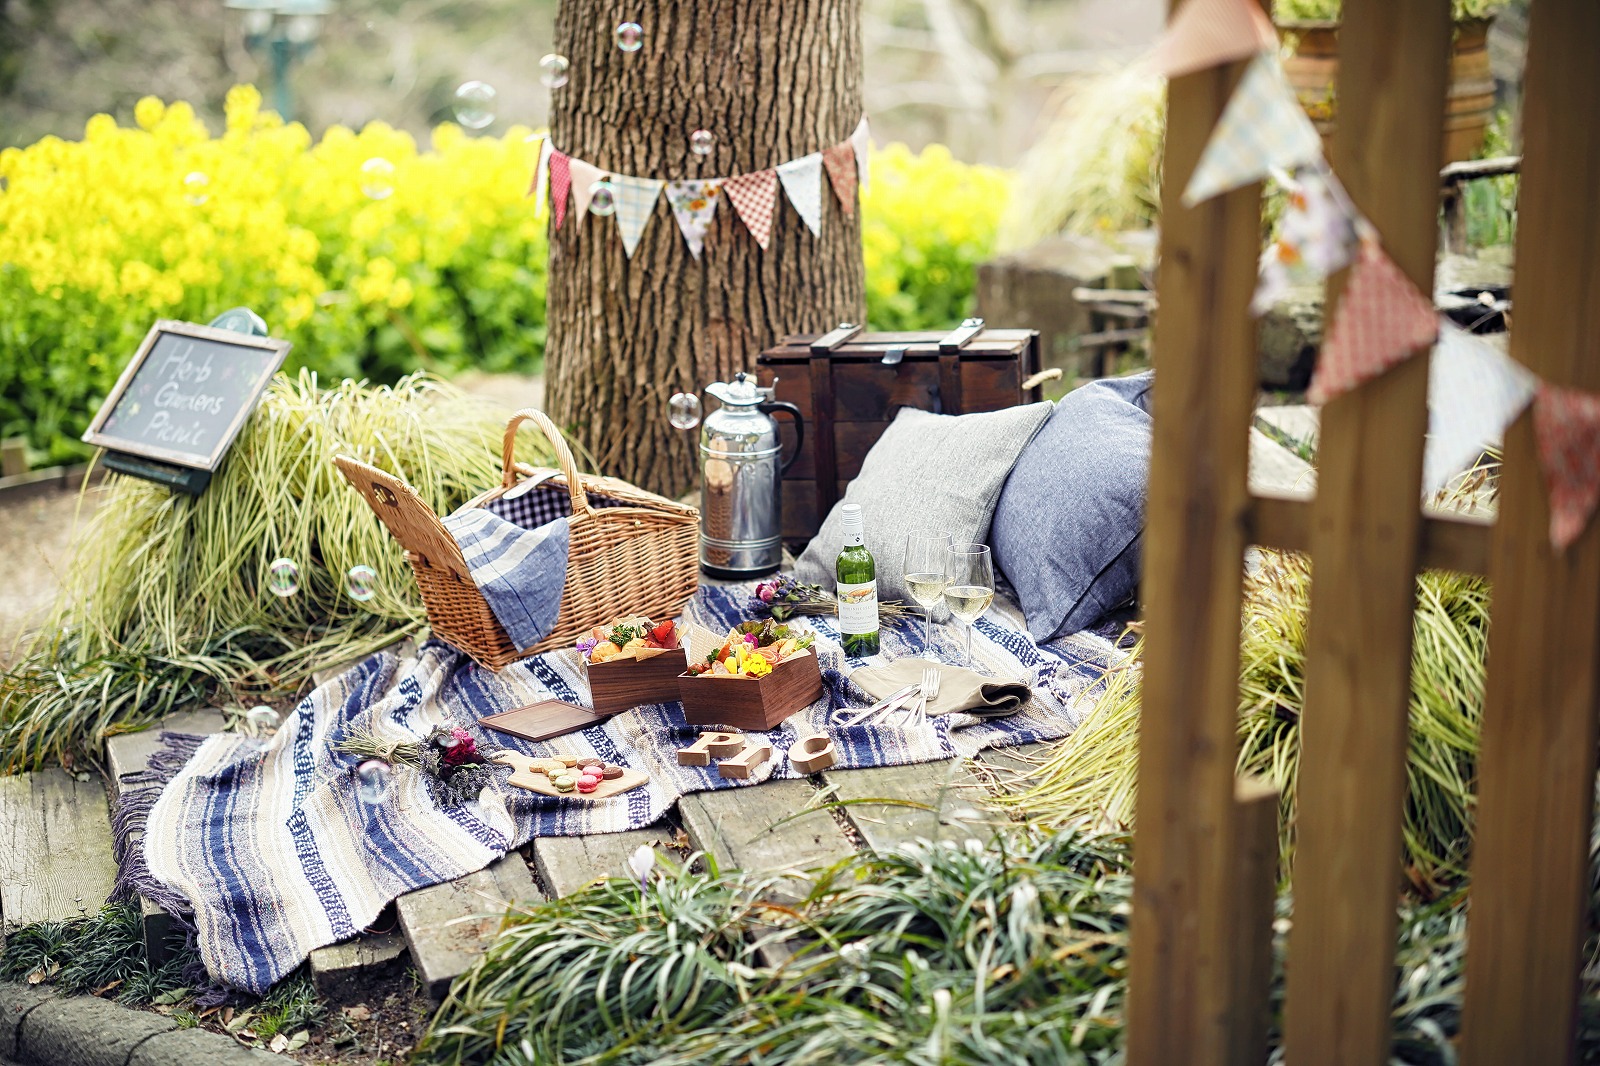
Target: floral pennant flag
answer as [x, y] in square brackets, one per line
[754, 196]
[1474, 391]
[560, 184]
[636, 202]
[1566, 424]
[1381, 321]
[861, 141]
[1208, 33]
[693, 203]
[1316, 235]
[802, 183]
[584, 175]
[840, 160]
[1262, 127]
[540, 170]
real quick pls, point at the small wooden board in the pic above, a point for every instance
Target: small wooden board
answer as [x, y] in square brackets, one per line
[527, 778]
[543, 721]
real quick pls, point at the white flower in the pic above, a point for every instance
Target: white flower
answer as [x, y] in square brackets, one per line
[641, 862]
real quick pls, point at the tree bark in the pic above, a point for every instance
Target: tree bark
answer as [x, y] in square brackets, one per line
[773, 81]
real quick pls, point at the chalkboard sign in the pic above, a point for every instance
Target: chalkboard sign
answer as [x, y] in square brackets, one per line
[184, 395]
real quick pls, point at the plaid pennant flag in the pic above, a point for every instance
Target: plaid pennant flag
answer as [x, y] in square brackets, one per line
[1262, 127]
[861, 141]
[636, 202]
[1566, 424]
[560, 185]
[693, 203]
[840, 161]
[1382, 320]
[1316, 234]
[1474, 391]
[754, 196]
[584, 176]
[1208, 33]
[802, 183]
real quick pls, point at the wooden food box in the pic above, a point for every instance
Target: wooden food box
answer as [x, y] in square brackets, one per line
[849, 385]
[752, 702]
[617, 685]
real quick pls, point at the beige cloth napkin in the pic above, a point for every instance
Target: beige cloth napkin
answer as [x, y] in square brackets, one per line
[960, 689]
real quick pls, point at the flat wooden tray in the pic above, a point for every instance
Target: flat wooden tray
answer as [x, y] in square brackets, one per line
[525, 778]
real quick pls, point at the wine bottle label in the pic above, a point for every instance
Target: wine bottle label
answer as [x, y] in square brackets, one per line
[858, 607]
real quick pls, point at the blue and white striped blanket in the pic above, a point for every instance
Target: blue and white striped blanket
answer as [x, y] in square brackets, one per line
[521, 572]
[276, 855]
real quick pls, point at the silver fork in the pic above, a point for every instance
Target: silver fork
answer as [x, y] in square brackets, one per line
[930, 691]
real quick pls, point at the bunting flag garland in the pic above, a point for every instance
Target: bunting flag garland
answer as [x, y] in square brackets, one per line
[840, 160]
[1208, 33]
[584, 175]
[1316, 234]
[1381, 321]
[1262, 127]
[636, 202]
[560, 184]
[754, 197]
[802, 184]
[861, 141]
[1566, 424]
[693, 204]
[1474, 391]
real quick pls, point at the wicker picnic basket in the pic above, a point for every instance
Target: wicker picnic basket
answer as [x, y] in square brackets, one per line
[630, 552]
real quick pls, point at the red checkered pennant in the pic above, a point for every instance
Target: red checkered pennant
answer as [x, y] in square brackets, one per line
[1566, 423]
[560, 185]
[1207, 33]
[1381, 321]
[841, 163]
[754, 196]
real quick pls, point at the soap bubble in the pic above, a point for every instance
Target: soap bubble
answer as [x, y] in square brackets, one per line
[630, 36]
[683, 410]
[194, 188]
[602, 198]
[553, 70]
[702, 141]
[372, 781]
[377, 178]
[361, 582]
[283, 577]
[262, 720]
[475, 104]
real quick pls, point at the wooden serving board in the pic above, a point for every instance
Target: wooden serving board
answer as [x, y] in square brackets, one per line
[526, 778]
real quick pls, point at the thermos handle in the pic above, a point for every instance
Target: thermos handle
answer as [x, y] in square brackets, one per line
[773, 407]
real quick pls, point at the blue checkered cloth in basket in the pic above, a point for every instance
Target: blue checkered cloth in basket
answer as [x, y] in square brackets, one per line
[535, 503]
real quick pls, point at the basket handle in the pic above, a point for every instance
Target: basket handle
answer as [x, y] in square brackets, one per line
[569, 468]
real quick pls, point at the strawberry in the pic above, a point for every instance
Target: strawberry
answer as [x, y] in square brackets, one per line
[665, 635]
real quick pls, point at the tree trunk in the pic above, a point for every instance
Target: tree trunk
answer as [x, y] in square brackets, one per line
[773, 81]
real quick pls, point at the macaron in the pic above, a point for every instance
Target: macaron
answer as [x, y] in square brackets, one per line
[593, 778]
[563, 782]
[591, 760]
[611, 771]
[567, 760]
[588, 784]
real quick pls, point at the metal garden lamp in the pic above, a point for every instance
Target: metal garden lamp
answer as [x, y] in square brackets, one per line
[287, 30]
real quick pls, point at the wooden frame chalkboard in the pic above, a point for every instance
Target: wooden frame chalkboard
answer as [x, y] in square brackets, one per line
[197, 405]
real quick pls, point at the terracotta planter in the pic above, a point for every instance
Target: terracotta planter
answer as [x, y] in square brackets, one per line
[1313, 68]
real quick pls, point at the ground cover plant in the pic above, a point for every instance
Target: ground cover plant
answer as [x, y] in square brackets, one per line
[169, 601]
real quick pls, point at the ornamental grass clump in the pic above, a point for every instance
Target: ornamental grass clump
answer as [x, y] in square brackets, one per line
[168, 600]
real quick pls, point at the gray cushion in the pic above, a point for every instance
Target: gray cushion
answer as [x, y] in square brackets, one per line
[927, 471]
[1067, 529]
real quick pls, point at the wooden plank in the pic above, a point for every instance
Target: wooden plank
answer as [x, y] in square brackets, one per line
[55, 848]
[1256, 807]
[566, 864]
[1530, 867]
[448, 926]
[756, 828]
[950, 803]
[1184, 912]
[1365, 544]
[342, 970]
[1449, 541]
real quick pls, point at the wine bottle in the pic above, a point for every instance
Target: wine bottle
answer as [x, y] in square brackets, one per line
[857, 587]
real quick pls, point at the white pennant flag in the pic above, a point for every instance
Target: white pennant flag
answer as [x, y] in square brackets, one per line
[693, 203]
[636, 202]
[1474, 392]
[1262, 127]
[1317, 234]
[539, 171]
[584, 175]
[861, 141]
[802, 183]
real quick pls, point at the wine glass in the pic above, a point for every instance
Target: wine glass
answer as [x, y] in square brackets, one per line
[969, 585]
[924, 573]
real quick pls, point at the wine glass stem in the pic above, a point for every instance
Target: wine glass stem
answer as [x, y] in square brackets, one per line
[927, 629]
[969, 645]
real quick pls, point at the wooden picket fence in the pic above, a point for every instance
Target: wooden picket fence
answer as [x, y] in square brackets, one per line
[1205, 846]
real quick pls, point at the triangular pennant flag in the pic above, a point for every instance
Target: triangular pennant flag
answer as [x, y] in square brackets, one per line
[754, 196]
[540, 172]
[560, 185]
[1262, 127]
[861, 141]
[636, 202]
[693, 203]
[842, 173]
[584, 175]
[1566, 423]
[802, 183]
[1474, 391]
[1316, 235]
[1381, 320]
[1208, 33]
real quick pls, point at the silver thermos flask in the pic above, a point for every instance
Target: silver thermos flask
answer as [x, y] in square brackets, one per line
[741, 480]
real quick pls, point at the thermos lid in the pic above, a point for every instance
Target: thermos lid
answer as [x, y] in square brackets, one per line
[850, 518]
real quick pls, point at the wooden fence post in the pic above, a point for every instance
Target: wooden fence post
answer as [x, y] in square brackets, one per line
[1536, 774]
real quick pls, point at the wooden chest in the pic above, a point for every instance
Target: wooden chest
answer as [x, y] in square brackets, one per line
[849, 385]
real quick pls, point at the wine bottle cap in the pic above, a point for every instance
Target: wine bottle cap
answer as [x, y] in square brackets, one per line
[850, 518]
